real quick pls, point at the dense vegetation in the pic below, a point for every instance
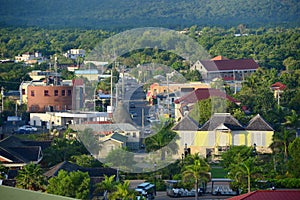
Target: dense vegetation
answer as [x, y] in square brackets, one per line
[117, 15]
[275, 49]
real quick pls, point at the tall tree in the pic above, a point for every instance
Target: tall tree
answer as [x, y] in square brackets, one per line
[108, 186]
[294, 167]
[123, 192]
[292, 120]
[198, 171]
[31, 178]
[281, 140]
[243, 171]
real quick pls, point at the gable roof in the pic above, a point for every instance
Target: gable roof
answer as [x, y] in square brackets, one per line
[221, 120]
[203, 93]
[106, 129]
[70, 167]
[278, 86]
[15, 152]
[229, 65]
[186, 124]
[119, 137]
[269, 195]
[258, 123]
[65, 165]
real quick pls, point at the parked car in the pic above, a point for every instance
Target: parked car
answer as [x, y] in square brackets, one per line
[153, 120]
[133, 114]
[27, 128]
[21, 131]
[132, 105]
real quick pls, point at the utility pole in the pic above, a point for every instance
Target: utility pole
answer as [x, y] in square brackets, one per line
[2, 100]
[111, 87]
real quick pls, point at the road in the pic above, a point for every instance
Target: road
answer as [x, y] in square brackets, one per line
[163, 196]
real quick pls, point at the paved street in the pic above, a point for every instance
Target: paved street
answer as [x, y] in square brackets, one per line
[163, 196]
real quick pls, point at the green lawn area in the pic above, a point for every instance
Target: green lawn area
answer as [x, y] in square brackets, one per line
[218, 172]
[16, 193]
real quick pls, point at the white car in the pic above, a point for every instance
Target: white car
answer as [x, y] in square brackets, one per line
[153, 120]
[28, 128]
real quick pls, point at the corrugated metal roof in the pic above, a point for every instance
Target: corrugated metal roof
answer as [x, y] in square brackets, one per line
[229, 65]
[269, 195]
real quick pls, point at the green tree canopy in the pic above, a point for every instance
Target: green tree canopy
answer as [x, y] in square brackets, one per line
[31, 178]
[164, 140]
[74, 184]
[197, 171]
[294, 168]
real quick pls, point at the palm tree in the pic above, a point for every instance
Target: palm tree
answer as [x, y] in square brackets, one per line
[31, 178]
[123, 192]
[292, 121]
[283, 139]
[163, 140]
[198, 171]
[245, 169]
[108, 185]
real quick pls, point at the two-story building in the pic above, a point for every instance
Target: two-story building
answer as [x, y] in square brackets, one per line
[30, 58]
[44, 96]
[220, 132]
[74, 53]
[226, 69]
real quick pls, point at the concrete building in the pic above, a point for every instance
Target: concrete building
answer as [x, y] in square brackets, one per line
[74, 53]
[52, 95]
[227, 70]
[54, 119]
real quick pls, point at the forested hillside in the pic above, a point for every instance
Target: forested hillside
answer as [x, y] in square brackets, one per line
[124, 14]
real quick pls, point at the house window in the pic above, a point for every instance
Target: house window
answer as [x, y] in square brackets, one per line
[258, 138]
[55, 92]
[46, 92]
[32, 93]
[134, 135]
[69, 92]
[23, 91]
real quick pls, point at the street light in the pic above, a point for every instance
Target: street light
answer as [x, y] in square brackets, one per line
[185, 150]
[155, 178]
[2, 95]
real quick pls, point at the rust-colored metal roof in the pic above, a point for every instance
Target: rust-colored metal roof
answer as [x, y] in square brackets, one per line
[269, 195]
[204, 93]
[229, 65]
[278, 86]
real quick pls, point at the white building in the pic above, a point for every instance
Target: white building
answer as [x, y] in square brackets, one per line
[30, 58]
[74, 53]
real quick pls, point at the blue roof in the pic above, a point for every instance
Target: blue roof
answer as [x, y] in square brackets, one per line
[87, 71]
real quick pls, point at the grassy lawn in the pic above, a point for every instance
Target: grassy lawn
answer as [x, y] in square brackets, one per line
[218, 172]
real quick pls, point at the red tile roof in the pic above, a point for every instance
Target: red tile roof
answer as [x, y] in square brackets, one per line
[229, 65]
[269, 195]
[278, 86]
[204, 93]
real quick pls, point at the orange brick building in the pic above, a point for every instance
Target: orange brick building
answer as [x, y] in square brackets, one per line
[45, 98]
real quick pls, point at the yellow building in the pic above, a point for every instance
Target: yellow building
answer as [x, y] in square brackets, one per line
[222, 131]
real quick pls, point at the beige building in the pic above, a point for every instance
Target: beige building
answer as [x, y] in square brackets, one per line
[177, 88]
